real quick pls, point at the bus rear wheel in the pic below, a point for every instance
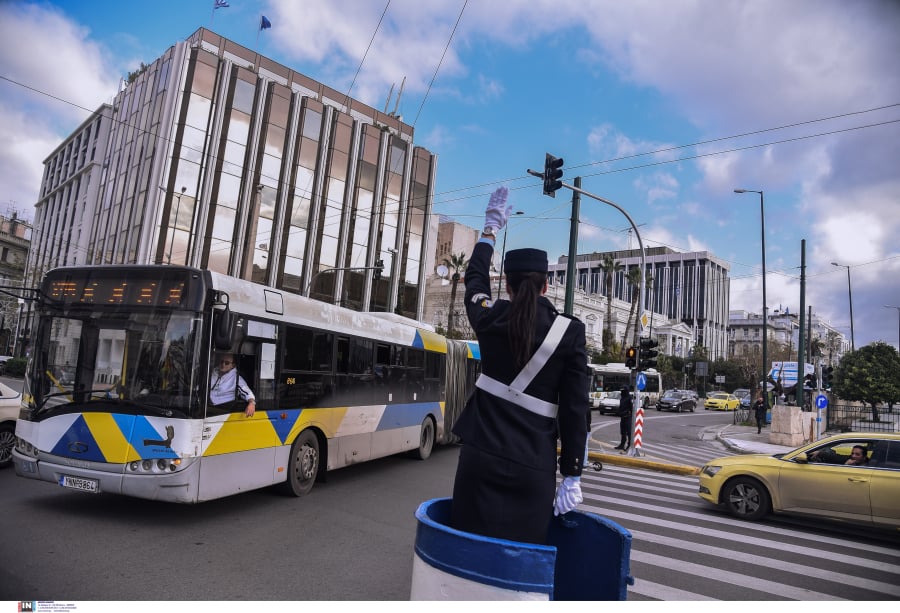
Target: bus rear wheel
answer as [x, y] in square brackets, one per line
[303, 465]
[426, 440]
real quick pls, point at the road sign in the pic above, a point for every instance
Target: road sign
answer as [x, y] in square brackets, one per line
[821, 401]
[645, 320]
[641, 381]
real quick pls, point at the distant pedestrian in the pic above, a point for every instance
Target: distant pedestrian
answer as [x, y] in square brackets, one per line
[626, 406]
[759, 410]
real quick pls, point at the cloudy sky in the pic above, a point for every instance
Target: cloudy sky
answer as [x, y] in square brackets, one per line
[663, 107]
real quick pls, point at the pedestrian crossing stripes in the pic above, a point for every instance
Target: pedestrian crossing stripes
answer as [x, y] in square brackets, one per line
[686, 549]
[694, 454]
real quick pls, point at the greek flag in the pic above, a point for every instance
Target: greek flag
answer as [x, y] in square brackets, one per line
[220, 4]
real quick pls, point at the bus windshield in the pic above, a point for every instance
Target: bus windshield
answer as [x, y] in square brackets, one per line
[139, 361]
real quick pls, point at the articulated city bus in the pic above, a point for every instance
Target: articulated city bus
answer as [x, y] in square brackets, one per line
[611, 377]
[117, 391]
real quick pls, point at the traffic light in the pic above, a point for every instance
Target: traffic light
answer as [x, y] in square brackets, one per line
[379, 268]
[810, 381]
[648, 353]
[552, 175]
[827, 377]
[631, 357]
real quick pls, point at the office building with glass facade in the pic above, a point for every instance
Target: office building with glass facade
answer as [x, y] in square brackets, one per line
[687, 288]
[216, 157]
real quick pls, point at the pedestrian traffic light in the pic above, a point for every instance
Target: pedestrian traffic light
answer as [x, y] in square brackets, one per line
[552, 175]
[827, 377]
[810, 381]
[647, 358]
[631, 357]
[379, 268]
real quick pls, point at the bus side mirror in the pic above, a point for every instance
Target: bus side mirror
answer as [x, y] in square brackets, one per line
[223, 327]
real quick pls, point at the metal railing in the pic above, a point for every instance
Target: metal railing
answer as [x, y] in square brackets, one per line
[856, 418]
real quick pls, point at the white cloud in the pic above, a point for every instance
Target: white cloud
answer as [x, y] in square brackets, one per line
[56, 76]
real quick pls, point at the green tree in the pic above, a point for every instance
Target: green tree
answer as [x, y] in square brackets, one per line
[731, 369]
[816, 349]
[871, 374]
[457, 263]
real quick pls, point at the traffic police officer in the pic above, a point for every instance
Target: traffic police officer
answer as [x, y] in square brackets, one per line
[532, 392]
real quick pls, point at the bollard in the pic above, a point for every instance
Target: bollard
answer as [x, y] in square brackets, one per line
[587, 558]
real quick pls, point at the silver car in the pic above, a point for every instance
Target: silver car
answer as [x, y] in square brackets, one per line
[609, 403]
[10, 400]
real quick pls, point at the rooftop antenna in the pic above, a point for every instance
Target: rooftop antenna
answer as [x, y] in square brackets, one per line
[397, 103]
[387, 102]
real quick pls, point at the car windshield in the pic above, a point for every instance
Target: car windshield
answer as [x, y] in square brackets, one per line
[718, 396]
[672, 396]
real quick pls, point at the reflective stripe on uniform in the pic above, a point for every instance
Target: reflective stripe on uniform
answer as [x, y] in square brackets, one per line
[502, 390]
[515, 391]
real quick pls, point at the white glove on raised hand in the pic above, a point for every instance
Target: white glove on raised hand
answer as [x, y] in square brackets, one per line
[568, 495]
[497, 211]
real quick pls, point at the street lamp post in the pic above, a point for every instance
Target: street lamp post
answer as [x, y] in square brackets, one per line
[888, 306]
[850, 295]
[503, 253]
[765, 331]
[175, 222]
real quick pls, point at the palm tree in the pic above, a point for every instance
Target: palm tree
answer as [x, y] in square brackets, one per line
[816, 348]
[456, 263]
[609, 266]
[633, 279]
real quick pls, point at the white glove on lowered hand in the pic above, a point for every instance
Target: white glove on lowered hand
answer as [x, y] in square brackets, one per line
[497, 211]
[568, 495]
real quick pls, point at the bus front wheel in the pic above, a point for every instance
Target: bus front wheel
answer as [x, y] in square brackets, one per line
[303, 464]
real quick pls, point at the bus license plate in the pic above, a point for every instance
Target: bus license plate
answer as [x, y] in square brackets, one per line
[77, 483]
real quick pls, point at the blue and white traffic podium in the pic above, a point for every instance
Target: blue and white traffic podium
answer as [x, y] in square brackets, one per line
[587, 558]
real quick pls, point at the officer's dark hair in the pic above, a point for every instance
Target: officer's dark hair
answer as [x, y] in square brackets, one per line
[525, 289]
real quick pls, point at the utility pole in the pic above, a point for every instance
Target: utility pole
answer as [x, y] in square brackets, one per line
[801, 362]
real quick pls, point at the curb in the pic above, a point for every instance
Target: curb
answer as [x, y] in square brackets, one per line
[624, 460]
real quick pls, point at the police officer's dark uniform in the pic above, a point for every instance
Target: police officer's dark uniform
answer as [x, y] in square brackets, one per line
[626, 407]
[506, 475]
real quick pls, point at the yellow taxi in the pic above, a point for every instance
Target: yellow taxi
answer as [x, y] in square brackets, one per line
[720, 401]
[853, 477]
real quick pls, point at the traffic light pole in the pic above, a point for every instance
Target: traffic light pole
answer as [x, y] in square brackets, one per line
[571, 281]
[578, 190]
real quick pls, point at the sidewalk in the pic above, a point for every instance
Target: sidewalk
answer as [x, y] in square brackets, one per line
[744, 439]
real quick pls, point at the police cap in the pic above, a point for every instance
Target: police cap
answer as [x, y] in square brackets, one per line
[526, 260]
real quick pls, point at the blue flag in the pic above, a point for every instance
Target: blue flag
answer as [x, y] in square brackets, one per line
[220, 4]
[264, 23]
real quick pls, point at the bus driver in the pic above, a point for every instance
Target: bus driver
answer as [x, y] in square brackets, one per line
[226, 385]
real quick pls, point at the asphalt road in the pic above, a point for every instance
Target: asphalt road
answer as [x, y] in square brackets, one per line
[351, 539]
